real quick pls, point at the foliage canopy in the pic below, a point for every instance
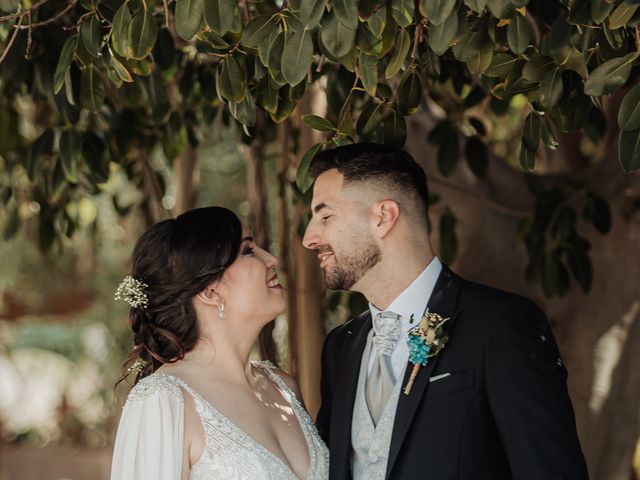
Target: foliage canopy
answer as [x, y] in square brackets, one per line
[102, 80]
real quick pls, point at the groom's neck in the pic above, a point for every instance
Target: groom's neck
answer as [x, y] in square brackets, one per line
[392, 275]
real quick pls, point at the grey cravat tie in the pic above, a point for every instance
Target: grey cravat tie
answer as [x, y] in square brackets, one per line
[381, 380]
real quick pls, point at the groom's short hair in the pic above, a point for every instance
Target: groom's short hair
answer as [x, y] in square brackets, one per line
[392, 169]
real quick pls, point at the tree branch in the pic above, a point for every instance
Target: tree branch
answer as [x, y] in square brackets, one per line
[49, 20]
[11, 40]
[35, 6]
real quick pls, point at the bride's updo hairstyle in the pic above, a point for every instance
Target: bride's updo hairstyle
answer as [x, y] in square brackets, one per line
[175, 260]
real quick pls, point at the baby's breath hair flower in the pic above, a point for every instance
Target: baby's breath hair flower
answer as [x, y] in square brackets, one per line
[131, 291]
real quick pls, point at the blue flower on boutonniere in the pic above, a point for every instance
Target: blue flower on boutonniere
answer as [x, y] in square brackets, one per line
[425, 341]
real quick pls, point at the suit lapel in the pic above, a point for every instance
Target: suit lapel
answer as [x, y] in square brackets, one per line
[443, 301]
[345, 390]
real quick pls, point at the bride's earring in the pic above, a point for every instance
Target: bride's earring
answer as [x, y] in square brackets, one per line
[221, 311]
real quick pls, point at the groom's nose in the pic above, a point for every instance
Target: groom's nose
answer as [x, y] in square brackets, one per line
[310, 239]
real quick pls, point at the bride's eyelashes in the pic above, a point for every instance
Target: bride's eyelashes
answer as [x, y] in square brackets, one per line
[248, 250]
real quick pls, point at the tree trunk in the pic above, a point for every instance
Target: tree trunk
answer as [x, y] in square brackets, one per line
[187, 178]
[306, 323]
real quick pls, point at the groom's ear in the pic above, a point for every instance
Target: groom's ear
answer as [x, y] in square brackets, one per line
[384, 216]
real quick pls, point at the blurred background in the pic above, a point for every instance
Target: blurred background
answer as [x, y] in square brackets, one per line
[523, 114]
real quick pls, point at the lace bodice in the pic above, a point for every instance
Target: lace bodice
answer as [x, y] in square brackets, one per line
[229, 452]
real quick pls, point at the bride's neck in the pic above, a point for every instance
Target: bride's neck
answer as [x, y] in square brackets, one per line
[224, 352]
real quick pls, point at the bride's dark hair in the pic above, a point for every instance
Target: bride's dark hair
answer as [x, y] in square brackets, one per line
[177, 259]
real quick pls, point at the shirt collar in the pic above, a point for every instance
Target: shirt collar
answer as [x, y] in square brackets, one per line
[414, 299]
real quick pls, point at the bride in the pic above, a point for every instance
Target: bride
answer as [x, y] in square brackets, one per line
[200, 291]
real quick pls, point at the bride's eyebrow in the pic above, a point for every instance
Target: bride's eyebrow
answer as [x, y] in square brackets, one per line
[248, 238]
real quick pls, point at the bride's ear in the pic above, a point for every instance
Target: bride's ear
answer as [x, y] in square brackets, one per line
[209, 296]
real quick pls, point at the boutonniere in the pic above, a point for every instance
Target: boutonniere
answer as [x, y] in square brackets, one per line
[425, 341]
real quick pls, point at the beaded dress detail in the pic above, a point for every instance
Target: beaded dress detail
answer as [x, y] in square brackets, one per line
[229, 452]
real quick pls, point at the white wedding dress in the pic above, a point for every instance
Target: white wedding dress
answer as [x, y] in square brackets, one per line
[149, 442]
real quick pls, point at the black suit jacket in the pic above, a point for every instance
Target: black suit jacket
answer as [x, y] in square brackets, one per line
[502, 413]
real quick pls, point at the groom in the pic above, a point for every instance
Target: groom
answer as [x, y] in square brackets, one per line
[491, 405]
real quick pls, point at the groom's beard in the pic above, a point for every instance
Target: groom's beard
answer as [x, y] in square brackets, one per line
[347, 269]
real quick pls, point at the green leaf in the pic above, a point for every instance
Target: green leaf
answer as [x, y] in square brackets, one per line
[336, 38]
[409, 92]
[518, 34]
[437, 11]
[367, 42]
[441, 36]
[610, 75]
[580, 267]
[403, 43]
[629, 113]
[318, 123]
[91, 35]
[502, 8]
[370, 118]
[402, 12]
[598, 211]
[555, 278]
[448, 154]
[345, 119]
[548, 135]
[220, 15]
[64, 62]
[258, 30]
[550, 89]
[274, 59]
[448, 239]
[600, 10]
[501, 65]
[141, 35]
[346, 11]
[536, 68]
[91, 89]
[368, 70]
[297, 56]
[469, 44]
[481, 60]
[245, 110]
[42, 146]
[621, 15]
[142, 67]
[70, 154]
[531, 132]
[120, 29]
[188, 17]
[311, 12]
[395, 130]
[476, 155]
[477, 6]
[303, 179]
[230, 81]
[629, 150]
[120, 69]
[378, 21]
[527, 158]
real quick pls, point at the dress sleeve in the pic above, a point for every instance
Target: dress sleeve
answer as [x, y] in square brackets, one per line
[149, 442]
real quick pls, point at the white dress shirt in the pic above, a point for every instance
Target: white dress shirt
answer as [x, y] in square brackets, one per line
[411, 302]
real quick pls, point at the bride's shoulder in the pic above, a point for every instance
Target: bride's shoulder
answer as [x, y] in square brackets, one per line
[287, 379]
[158, 383]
